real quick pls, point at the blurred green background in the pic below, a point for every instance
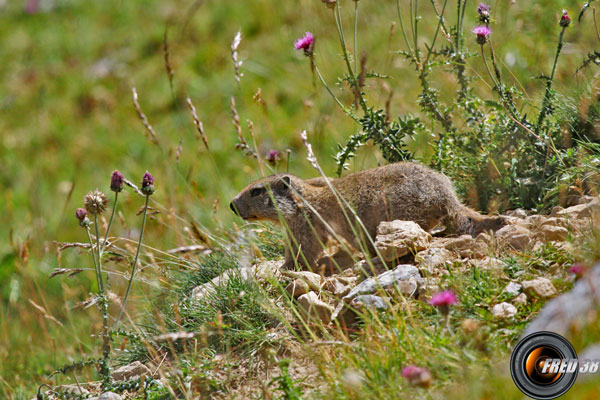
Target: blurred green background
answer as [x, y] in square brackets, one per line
[67, 121]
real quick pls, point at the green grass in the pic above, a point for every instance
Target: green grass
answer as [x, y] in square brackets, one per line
[67, 121]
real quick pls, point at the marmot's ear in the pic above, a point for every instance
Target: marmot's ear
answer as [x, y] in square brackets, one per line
[285, 183]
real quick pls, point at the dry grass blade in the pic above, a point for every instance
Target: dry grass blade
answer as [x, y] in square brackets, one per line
[174, 336]
[61, 271]
[65, 245]
[198, 123]
[86, 303]
[134, 187]
[43, 311]
[187, 249]
[179, 149]
[151, 135]
[168, 67]
[242, 144]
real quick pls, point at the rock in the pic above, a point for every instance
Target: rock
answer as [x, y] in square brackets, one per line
[520, 300]
[519, 213]
[552, 232]
[467, 247]
[339, 286]
[297, 288]
[130, 371]
[388, 280]
[398, 238]
[109, 396]
[434, 258]
[314, 307]
[539, 287]
[312, 280]
[369, 301]
[261, 272]
[515, 236]
[586, 210]
[365, 269]
[488, 263]
[348, 312]
[512, 289]
[504, 311]
[570, 309]
[72, 389]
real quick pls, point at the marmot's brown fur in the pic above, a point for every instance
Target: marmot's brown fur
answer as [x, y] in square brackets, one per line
[402, 191]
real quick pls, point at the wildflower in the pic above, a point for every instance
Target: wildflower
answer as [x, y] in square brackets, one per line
[565, 20]
[484, 13]
[95, 202]
[443, 300]
[148, 184]
[417, 376]
[305, 43]
[81, 215]
[116, 181]
[577, 270]
[273, 156]
[482, 32]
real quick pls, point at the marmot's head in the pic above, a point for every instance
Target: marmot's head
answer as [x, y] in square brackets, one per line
[267, 199]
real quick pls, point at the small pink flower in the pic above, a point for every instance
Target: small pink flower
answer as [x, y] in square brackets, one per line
[577, 269]
[273, 156]
[482, 32]
[147, 184]
[565, 20]
[417, 376]
[445, 298]
[116, 181]
[305, 43]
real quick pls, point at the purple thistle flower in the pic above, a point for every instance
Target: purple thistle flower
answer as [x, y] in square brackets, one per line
[305, 43]
[482, 32]
[484, 13]
[417, 376]
[483, 9]
[445, 298]
[147, 184]
[577, 270]
[273, 156]
[565, 20]
[116, 181]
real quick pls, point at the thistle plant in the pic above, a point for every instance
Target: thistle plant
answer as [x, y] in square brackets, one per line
[494, 148]
[95, 204]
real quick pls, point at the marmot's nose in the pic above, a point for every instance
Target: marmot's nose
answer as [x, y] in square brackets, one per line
[233, 208]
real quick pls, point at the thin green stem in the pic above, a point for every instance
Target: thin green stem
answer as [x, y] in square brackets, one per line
[137, 254]
[110, 221]
[402, 27]
[547, 96]
[339, 103]
[353, 76]
[355, 36]
[87, 230]
[101, 286]
[437, 31]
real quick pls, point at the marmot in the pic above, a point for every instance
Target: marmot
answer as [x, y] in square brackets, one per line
[402, 191]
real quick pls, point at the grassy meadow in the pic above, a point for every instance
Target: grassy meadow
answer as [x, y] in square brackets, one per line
[67, 120]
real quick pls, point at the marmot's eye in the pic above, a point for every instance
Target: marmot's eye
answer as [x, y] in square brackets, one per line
[256, 191]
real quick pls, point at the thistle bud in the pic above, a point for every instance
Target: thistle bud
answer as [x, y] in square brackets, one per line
[81, 215]
[116, 181]
[565, 20]
[148, 184]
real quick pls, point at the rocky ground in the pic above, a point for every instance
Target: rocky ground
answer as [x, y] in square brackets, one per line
[411, 265]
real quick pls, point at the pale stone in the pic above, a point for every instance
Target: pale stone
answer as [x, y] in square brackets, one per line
[504, 311]
[512, 289]
[398, 238]
[539, 287]
[516, 236]
[130, 371]
[297, 288]
[315, 307]
[433, 258]
[553, 233]
[520, 300]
